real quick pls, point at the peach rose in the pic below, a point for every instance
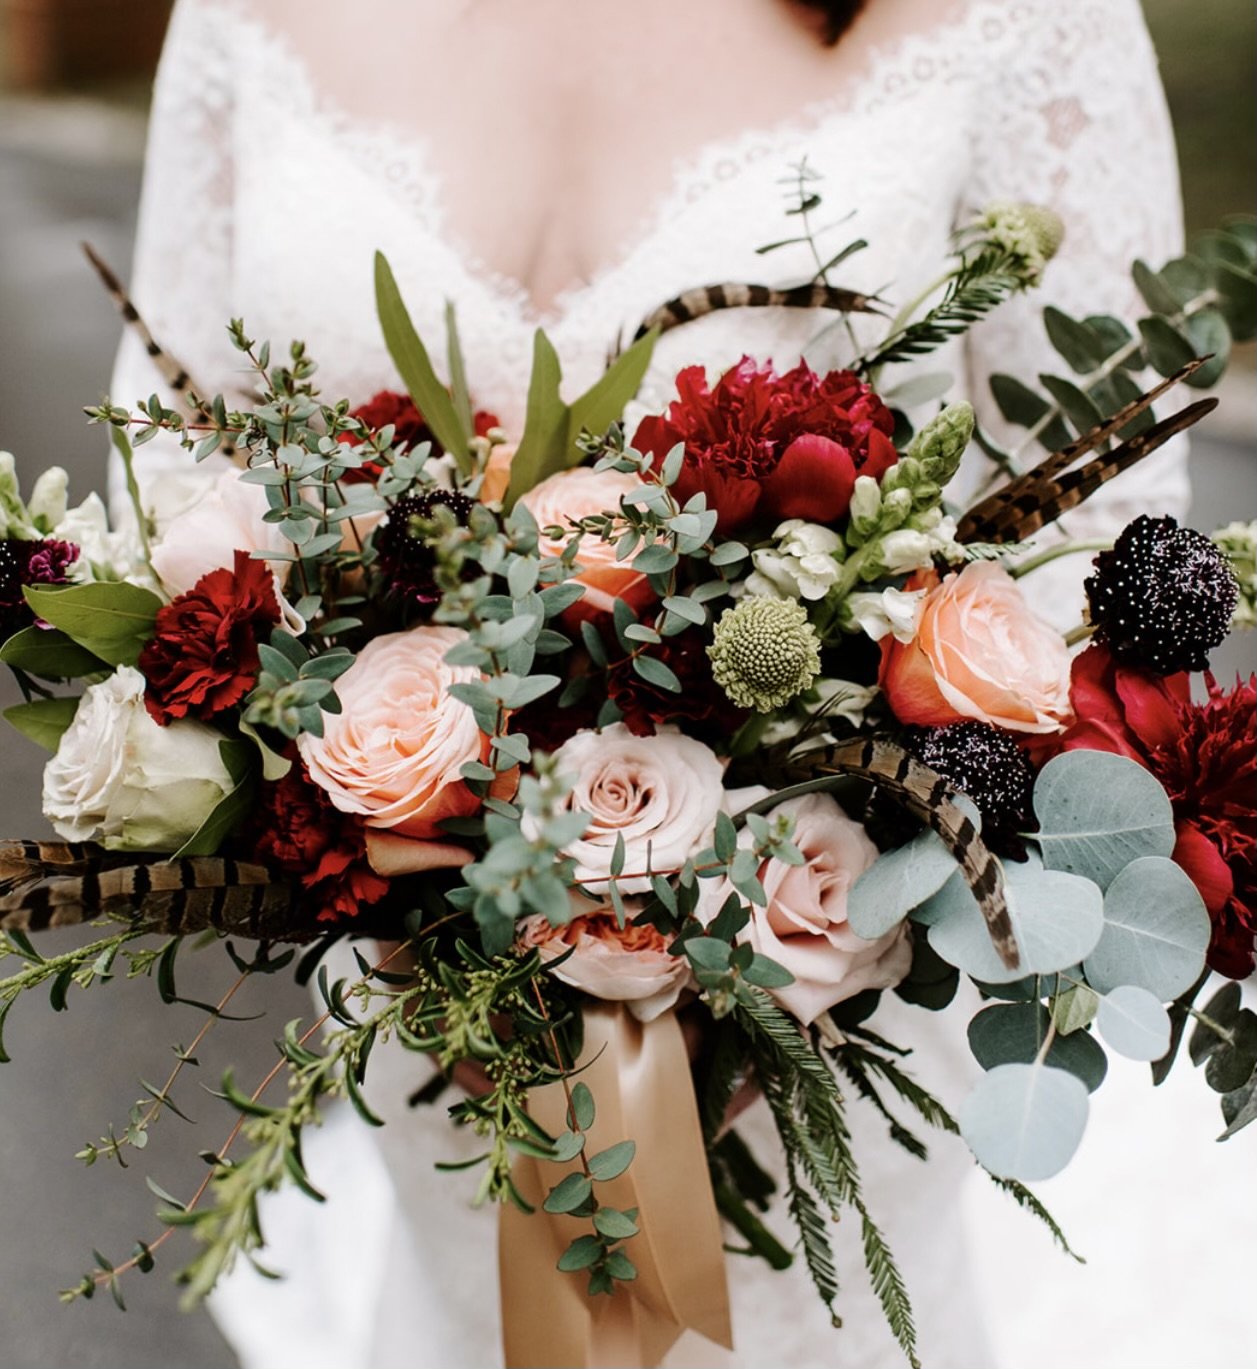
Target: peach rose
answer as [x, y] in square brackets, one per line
[660, 794]
[580, 494]
[626, 964]
[394, 753]
[979, 653]
[804, 926]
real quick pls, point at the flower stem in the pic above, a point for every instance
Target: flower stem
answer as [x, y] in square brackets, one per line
[1079, 634]
[1052, 553]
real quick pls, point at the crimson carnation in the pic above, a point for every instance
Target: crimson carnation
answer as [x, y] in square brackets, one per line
[1205, 756]
[203, 656]
[29, 562]
[390, 406]
[701, 703]
[764, 447]
[296, 829]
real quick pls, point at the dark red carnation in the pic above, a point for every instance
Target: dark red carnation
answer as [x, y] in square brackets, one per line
[390, 406]
[764, 447]
[37, 561]
[297, 829]
[1205, 755]
[203, 656]
[701, 704]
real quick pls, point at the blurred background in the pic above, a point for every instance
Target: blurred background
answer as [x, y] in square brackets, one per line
[74, 78]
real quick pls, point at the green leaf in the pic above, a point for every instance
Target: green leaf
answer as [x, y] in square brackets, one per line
[410, 357]
[655, 672]
[1239, 1108]
[1209, 335]
[1134, 1023]
[1078, 406]
[1057, 919]
[1168, 350]
[614, 1225]
[568, 1146]
[1017, 402]
[542, 445]
[897, 882]
[1157, 295]
[605, 400]
[612, 1162]
[1025, 1121]
[583, 1107]
[619, 1266]
[1231, 1063]
[459, 392]
[766, 973]
[1156, 929]
[43, 721]
[583, 1252]
[1013, 1033]
[113, 621]
[1097, 812]
[1074, 1008]
[1082, 348]
[570, 1193]
[708, 953]
[1238, 288]
[232, 808]
[49, 655]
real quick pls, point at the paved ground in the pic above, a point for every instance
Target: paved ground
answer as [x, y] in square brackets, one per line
[73, 1075]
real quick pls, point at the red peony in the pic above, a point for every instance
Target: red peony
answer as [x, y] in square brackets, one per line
[1205, 755]
[390, 406]
[296, 829]
[765, 447]
[203, 657]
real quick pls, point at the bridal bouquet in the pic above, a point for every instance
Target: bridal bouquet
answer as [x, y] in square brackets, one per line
[637, 759]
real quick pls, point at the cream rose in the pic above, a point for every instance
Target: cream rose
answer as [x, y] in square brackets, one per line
[660, 794]
[120, 779]
[979, 653]
[581, 494]
[227, 517]
[395, 752]
[626, 964]
[804, 925]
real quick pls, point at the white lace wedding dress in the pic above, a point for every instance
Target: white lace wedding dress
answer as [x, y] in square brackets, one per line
[1055, 101]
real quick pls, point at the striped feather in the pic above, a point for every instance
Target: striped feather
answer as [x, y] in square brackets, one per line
[1050, 489]
[58, 884]
[707, 299]
[927, 795]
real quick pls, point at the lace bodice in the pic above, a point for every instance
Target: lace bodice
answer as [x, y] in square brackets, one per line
[267, 197]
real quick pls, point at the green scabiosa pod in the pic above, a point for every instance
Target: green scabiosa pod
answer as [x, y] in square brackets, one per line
[1238, 543]
[764, 653]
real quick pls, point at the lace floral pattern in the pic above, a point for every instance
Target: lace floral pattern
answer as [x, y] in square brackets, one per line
[1048, 100]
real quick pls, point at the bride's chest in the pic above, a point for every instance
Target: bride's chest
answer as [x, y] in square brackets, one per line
[317, 192]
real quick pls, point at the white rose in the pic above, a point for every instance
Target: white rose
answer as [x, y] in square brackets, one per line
[660, 794]
[803, 565]
[122, 780]
[804, 926]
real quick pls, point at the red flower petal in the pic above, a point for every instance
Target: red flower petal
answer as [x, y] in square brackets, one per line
[813, 481]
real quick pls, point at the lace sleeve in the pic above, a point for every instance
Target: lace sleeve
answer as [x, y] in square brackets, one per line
[1075, 118]
[181, 277]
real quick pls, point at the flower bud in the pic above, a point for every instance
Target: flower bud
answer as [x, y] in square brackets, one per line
[13, 519]
[940, 445]
[896, 506]
[46, 506]
[865, 507]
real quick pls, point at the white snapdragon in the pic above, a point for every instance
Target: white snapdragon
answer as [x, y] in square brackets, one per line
[887, 612]
[909, 549]
[122, 780]
[104, 553]
[805, 563]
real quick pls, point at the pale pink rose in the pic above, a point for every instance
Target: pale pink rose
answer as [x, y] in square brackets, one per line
[225, 519]
[580, 494]
[395, 751]
[660, 794]
[626, 964]
[804, 926]
[497, 473]
[979, 652]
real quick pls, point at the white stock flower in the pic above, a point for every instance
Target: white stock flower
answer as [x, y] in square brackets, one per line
[104, 554]
[878, 613]
[122, 780]
[803, 565]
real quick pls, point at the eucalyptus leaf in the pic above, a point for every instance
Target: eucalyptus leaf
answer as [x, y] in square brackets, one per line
[1134, 1023]
[897, 882]
[1233, 1061]
[1057, 919]
[1239, 1108]
[1156, 930]
[1168, 350]
[1014, 1033]
[1082, 348]
[1025, 1121]
[1097, 812]
[1209, 336]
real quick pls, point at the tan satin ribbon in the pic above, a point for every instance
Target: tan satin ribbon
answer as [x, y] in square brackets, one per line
[639, 1076]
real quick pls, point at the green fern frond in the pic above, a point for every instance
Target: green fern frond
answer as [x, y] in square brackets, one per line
[865, 1088]
[1026, 1200]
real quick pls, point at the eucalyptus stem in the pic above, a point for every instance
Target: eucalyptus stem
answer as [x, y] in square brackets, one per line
[1079, 634]
[1054, 553]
